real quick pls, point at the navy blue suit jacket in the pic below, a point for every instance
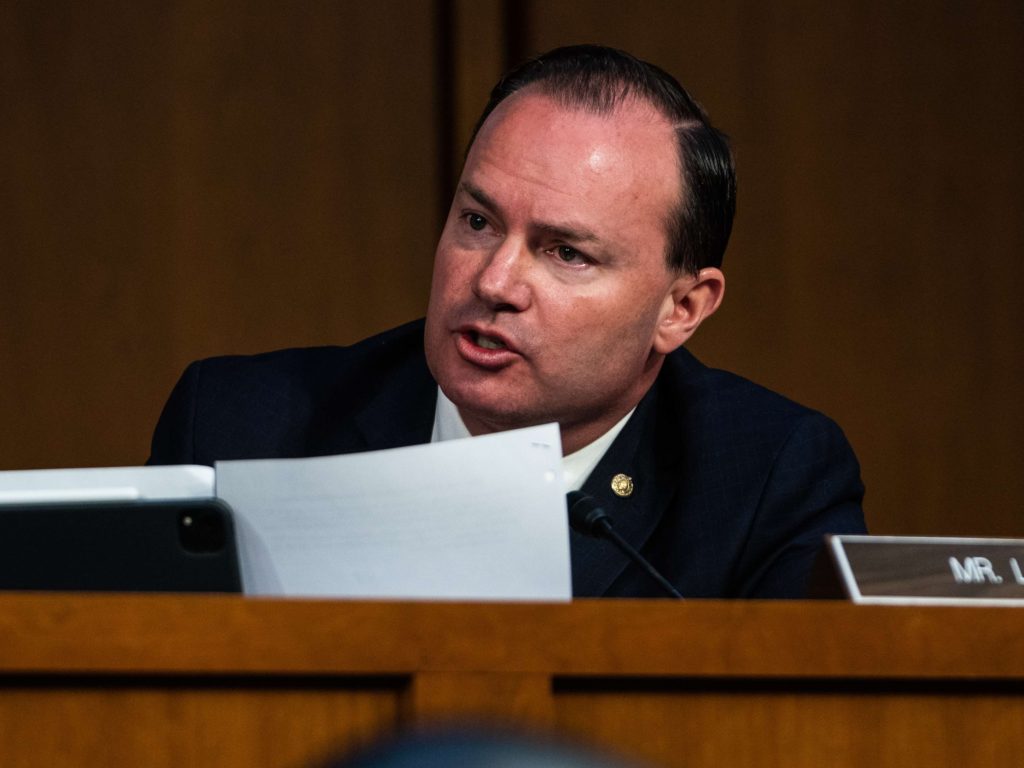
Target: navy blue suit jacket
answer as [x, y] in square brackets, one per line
[734, 485]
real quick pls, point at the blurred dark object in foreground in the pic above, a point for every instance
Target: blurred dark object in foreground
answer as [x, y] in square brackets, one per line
[477, 748]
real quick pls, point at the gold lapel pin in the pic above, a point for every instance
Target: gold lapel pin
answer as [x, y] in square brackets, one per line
[622, 485]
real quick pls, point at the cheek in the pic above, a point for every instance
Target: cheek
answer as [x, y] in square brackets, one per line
[453, 266]
[612, 332]
[445, 279]
[577, 332]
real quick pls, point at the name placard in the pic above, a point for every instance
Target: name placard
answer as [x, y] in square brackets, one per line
[920, 570]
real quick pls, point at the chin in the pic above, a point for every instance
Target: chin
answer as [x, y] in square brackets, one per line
[496, 412]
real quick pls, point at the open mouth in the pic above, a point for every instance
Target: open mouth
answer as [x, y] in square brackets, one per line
[487, 342]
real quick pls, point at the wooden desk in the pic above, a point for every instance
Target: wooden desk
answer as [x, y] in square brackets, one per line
[151, 680]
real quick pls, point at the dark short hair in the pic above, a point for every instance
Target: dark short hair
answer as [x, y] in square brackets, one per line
[598, 79]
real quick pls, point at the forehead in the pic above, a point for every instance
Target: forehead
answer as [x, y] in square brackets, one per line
[623, 164]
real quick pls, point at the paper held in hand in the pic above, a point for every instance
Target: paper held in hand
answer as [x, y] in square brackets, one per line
[476, 519]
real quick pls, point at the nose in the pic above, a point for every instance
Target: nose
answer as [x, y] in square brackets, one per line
[502, 280]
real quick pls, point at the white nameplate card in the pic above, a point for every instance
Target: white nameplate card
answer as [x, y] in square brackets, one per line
[921, 570]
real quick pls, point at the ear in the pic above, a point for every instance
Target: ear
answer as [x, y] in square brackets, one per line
[691, 299]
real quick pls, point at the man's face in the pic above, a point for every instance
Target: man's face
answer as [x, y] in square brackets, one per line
[550, 278]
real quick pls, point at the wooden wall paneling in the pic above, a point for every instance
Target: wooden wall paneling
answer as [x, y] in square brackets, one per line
[446, 697]
[196, 178]
[166, 723]
[694, 723]
[479, 58]
[875, 268]
[218, 680]
[200, 178]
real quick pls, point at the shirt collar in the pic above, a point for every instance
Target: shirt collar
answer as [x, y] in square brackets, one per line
[576, 467]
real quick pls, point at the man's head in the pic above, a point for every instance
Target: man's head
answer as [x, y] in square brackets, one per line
[577, 252]
[598, 79]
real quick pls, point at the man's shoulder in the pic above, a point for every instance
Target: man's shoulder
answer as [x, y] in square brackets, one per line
[724, 419]
[728, 398]
[304, 379]
[289, 402]
[320, 365]
[759, 480]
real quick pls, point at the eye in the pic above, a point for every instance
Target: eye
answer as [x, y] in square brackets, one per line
[568, 254]
[476, 221]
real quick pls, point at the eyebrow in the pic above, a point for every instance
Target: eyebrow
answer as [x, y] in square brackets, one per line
[564, 232]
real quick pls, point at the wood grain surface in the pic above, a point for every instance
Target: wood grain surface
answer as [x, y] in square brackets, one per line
[95, 680]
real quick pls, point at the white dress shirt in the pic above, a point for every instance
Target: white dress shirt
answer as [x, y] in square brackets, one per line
[576, 467]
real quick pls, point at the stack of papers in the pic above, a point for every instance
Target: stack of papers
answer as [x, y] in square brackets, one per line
[476, 519]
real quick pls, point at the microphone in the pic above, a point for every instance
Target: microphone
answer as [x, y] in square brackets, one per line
[586, 517]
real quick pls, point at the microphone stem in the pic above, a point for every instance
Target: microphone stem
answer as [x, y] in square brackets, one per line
[625, 546]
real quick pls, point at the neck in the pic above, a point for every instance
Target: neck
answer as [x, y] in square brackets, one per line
[575, 435]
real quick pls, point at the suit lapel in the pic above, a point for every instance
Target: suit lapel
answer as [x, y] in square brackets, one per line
[398, 412]
[597, 563]
[402, 413]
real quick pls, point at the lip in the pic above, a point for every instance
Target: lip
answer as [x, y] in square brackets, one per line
[492, 359]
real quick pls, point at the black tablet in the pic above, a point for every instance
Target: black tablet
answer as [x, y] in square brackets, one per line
[138, 546]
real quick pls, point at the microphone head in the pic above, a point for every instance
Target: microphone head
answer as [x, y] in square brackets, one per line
[585, 516]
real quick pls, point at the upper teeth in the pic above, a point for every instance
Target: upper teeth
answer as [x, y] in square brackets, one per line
[488, 343]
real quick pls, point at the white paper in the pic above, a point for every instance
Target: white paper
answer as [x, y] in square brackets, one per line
[186, 481]
[476, 519]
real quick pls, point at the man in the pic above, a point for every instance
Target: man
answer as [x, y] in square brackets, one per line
[582, 249]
